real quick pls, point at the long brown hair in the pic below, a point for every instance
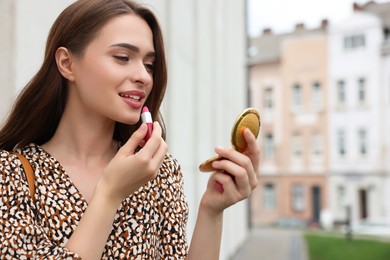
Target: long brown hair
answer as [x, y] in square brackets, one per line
[38, 109]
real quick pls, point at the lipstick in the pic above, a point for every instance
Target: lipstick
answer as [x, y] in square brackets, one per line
[146, 117]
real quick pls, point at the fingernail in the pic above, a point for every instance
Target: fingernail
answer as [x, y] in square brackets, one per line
[219, 186]
[218, 149]
[214, 164]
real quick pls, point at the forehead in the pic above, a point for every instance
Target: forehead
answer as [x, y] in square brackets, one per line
[128, 28]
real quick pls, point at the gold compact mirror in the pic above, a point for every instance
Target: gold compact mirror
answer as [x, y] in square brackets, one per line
[250, 119]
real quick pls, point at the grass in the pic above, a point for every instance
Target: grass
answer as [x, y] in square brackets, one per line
[339, 248]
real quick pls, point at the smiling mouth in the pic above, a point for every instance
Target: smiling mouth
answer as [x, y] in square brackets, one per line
[133, 97]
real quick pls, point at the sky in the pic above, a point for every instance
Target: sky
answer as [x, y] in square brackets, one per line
[282, 15]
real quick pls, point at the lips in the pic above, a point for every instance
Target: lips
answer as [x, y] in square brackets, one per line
[133, 98]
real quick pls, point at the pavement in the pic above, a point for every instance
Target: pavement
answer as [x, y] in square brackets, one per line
[273, 244]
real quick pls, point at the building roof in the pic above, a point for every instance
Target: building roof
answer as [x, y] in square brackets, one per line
[380, 9]
[266, 48]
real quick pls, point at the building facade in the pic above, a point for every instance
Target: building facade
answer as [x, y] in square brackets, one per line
[324, 96]
[288, 83]
[358, 114]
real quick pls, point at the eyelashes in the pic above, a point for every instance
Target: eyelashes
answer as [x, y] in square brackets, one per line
[149, 67]
[124, 59]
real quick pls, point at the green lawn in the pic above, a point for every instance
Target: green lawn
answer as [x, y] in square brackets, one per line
[338, 248]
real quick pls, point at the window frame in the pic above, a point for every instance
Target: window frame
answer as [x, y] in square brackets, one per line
[298, 199]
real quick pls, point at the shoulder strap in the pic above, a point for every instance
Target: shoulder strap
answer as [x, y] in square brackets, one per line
[29, 173]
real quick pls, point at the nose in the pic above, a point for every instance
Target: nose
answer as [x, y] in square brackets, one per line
[140, 74]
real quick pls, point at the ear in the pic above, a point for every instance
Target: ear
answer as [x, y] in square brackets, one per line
[64, 60]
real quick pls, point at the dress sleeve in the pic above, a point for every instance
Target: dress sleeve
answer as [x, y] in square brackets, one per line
[175, 213]
[21, 235]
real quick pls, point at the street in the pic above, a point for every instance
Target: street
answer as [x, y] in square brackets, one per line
[273, 244]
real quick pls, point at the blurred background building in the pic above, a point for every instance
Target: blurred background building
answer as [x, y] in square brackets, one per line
[288, 79]
[207, 86]
[324, 95]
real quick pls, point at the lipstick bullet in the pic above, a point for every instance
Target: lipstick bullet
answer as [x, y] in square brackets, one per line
[146, 117]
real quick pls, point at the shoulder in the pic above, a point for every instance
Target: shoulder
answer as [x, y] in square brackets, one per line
[170, 170]
[171, 183]
[170, 163]
[8, 161]
[10, 165]
[11, 175]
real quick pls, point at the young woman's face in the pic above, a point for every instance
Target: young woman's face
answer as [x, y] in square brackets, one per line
[114, 76]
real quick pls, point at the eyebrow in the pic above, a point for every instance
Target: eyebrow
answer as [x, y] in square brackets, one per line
[133, 48]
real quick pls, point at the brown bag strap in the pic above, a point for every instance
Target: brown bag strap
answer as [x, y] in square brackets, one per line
[29, 173]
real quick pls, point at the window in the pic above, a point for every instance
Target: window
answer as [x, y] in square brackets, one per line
[362, 142]
[341, 143]
[341, 92]
[386, 32]
[297, 97]
[269, 146]
[316, 148]
[340, 197]
[297, 148]
[316, 96]
[354, 41]
[298, 197]
[253, 51]
[268, 99]
[361, 91]
[269, 199]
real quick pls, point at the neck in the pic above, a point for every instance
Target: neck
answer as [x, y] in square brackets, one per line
[83, 140]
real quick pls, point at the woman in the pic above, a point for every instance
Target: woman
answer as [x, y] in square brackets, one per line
[98, 194]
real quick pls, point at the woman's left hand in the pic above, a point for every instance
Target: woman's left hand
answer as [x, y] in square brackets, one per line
[236, 176]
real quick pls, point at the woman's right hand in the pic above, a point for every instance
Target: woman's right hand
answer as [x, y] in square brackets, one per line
[129, 170]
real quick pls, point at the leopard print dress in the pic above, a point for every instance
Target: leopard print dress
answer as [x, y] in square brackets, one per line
[149, 224]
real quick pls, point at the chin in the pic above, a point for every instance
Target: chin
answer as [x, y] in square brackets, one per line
[128, 121]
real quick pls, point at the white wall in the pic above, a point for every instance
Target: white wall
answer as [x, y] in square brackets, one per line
[25, 26]
[7, 24]
[386, 123]
[205, 42]
[206, 92]
[33, 21]
[353, 171]
[349, 66]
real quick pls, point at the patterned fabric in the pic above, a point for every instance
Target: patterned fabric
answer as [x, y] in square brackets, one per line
[150, 224]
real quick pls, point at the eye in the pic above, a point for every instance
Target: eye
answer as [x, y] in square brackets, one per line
[122, 58]
[149, 67]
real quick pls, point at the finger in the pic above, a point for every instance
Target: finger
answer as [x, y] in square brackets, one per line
[241, 160]
[234, 156]
[224, 183]
[151, 146]
[134, 141]
[238, 174]
[219, 186]
[253, 147]
[251, 141]
[159, 154]
[155, 148]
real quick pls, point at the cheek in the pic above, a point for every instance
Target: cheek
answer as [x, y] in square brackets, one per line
[102, 75]
[150, 86]
[103, 70]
